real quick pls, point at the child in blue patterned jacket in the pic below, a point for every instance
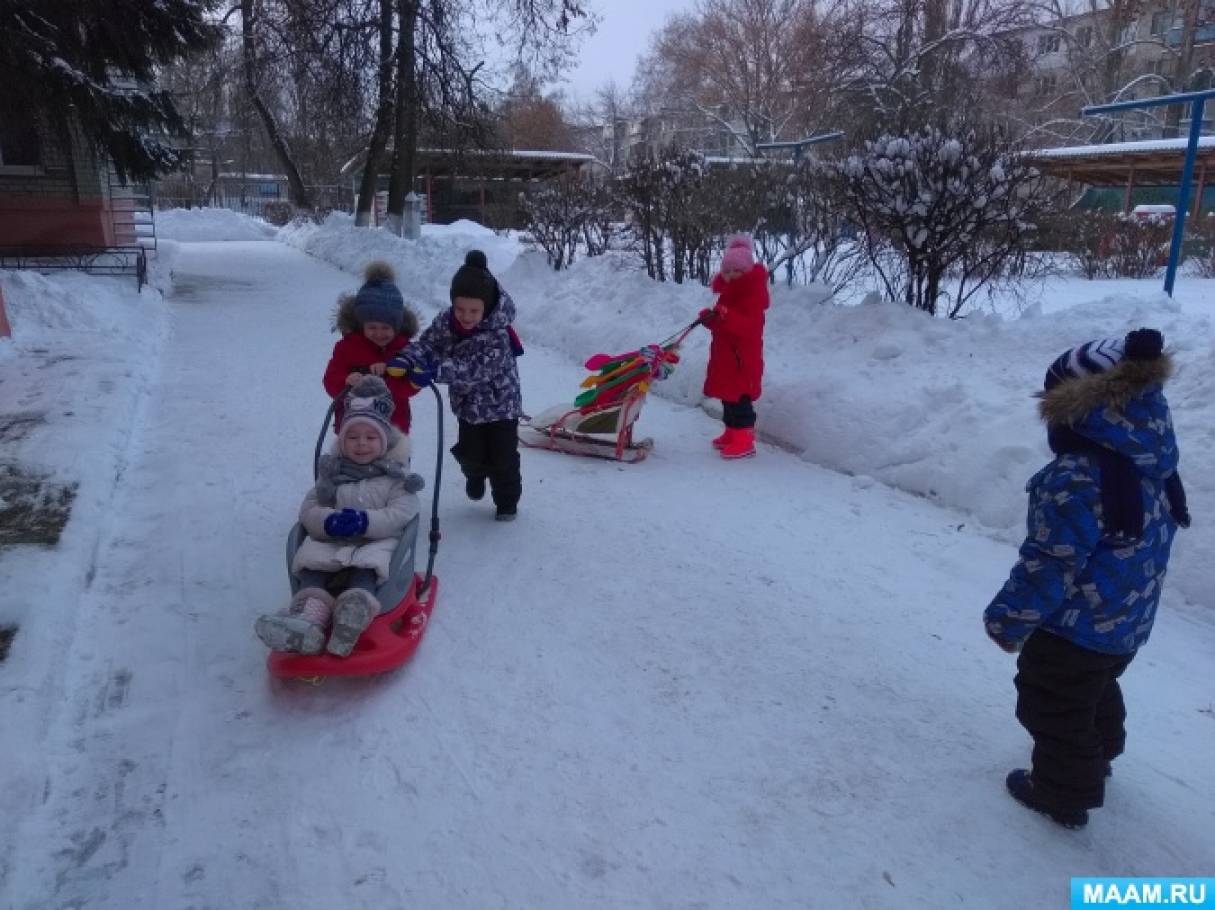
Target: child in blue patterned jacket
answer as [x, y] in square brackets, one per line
[471, 347]
[1081, 599]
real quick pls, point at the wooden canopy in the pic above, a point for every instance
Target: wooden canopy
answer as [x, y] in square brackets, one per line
[1154, 162]
[482, 164]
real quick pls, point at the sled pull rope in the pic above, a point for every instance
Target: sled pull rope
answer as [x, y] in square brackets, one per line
[678, 338]
[435, 535]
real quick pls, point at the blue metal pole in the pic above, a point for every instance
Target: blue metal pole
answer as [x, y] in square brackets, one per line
[1183, 196]
[1180, 98]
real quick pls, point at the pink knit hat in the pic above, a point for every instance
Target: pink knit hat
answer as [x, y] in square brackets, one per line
[738, 256]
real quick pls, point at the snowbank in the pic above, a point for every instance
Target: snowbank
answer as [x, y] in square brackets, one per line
[424, 268]
[942, 409]
[84, 351]
[210, 224]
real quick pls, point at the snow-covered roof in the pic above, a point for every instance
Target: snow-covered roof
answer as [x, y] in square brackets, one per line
[237, 175]
[517, 154]
[742, 159]
[1143, 147]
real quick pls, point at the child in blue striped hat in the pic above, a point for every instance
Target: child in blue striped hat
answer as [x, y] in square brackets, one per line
[1081, 599]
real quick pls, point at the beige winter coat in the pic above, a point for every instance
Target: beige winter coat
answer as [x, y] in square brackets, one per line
[389, 507]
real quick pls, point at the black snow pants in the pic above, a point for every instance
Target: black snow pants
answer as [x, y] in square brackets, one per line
[1069, 700]
[490, 451]
[738, 415]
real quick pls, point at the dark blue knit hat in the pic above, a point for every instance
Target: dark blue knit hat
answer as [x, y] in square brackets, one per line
[379, 300]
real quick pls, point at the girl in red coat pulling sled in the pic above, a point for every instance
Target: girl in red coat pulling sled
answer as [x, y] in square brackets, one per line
[736, 354]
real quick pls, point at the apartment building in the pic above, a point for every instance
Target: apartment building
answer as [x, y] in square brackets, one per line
[1088, 58]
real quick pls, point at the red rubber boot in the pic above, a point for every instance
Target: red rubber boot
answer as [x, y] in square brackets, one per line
[741, 444]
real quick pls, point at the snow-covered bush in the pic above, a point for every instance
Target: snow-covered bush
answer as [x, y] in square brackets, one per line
[938, 205]
[1137, 246]
[565, 214]
[1110, 244]
[666, 198]
[803, 227]
[1083, 237]
[1202, 230]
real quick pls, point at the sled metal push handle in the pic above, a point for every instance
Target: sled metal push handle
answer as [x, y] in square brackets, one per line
[435, 535]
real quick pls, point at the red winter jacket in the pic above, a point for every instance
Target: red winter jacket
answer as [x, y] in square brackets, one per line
[354, 354]
[736, 356]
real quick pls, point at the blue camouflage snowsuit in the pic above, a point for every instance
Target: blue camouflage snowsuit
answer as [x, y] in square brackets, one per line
[1072, 580]
[1081, 599]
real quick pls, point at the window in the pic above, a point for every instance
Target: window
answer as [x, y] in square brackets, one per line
[1044, 85]
[1047, 44]
[1161, 23]
[19, 145]
[1084, 35]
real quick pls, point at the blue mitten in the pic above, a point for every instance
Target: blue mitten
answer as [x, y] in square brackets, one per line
[346, 523]
[420, 375]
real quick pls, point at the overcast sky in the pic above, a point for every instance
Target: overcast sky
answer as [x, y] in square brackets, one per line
[624, 33]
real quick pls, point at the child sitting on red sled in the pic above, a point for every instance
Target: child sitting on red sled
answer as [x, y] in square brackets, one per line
[363, 499]
[736, 355]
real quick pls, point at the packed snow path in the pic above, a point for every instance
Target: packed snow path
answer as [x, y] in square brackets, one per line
[684, 683]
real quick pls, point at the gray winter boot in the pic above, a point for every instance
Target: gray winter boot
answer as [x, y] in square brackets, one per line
[354, 612]
[300, 628]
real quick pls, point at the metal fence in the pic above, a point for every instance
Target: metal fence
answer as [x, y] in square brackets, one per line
[250, 198]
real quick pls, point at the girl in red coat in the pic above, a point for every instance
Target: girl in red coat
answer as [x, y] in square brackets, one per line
[375, 325]
[736, 356]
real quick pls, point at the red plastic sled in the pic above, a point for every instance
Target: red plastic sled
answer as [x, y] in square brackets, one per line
[389, 641]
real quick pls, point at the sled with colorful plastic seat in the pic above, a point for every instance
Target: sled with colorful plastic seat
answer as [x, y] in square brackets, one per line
[600, 421]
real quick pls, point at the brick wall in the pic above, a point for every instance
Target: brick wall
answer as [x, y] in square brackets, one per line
[65, 203]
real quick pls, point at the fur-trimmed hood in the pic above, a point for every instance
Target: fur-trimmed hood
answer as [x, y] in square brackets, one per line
[345, 322]
[1070, 401]
[1122, 409]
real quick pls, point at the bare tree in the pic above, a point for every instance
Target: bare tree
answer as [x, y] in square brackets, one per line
[384, 111]
[758, 70]
[438, 82]
[251, 23]
[528, 118]
[920, 61]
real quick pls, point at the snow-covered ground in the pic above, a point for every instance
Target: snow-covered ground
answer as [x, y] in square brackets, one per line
[942, 409]
[684, 683]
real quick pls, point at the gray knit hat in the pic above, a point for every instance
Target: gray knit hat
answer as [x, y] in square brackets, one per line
[370, 402]
[379, 299]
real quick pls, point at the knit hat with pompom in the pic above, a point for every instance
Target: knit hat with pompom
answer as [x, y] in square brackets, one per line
[1100, 356]
[473, 279]
[738, 256]
[379, 299]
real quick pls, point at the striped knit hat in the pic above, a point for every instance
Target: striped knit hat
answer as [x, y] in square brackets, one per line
[1100, 356]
